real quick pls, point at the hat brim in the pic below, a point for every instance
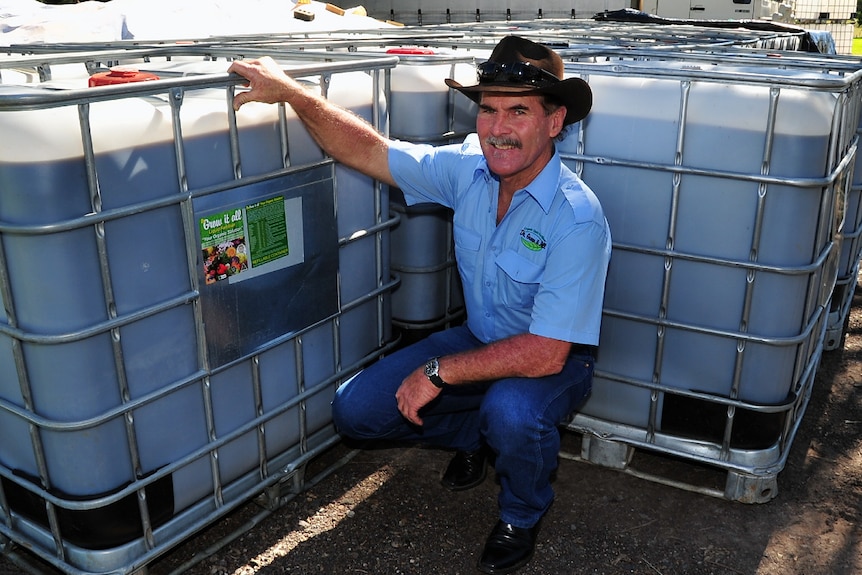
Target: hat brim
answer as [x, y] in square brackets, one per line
[573, 93]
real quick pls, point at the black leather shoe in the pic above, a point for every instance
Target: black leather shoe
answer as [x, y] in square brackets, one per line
[508, 548]
[466, 470]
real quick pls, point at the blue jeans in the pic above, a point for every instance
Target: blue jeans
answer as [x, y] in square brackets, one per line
[517, 418]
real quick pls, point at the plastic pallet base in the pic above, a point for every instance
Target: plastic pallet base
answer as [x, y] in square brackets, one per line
[661, 468]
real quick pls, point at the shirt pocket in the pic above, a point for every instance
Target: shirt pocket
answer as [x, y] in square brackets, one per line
[520, 280]
[467, 247]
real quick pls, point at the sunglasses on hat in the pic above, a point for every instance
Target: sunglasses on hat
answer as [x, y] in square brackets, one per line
[515, 73]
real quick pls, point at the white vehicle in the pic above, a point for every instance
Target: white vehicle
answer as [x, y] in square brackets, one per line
[712, 9]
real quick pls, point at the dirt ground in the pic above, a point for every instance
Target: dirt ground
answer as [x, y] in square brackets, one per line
[384, 512]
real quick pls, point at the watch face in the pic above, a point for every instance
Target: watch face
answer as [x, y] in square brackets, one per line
[432, 368]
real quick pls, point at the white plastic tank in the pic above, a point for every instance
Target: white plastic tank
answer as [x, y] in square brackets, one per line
[422, 106]
[712, 252]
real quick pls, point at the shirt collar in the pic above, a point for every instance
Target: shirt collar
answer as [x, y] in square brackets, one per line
[543, 188]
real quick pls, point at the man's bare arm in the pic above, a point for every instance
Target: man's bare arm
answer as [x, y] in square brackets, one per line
[346, 137]
[523, 355]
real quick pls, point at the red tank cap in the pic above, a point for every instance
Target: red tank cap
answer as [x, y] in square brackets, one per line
[120, 75]
[410, 51]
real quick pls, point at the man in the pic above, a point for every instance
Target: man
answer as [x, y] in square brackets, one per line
[532, 247]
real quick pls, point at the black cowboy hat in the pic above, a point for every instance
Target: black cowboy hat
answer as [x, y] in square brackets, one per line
[518, 65]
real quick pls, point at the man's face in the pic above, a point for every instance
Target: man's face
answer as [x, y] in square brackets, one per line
[517, 135]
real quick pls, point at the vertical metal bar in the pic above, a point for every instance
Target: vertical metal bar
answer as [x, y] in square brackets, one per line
[336, 342]
[111, 308]
[380, 210]
[387, 96]
[284, 134]
[32, 428]
[209, 412]
[298, 477]
[751, 275]
[176, 100]
[259, 411]
[339, 279]
[378, 203]
[300, 388]
[27, 400]
[44, 72]
[324, 85]
[187, 212]
[670, 245]
[833, 207]
[233, 135]
[450, 101]
[832, 218]
[581, 142]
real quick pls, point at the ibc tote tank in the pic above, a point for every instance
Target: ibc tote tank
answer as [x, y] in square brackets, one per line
[130, 369]
[724, 191]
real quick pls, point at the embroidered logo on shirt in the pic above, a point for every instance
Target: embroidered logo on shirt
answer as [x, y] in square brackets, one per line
[532, 239]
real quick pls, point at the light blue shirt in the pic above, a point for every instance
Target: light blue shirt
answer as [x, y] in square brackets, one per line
[543, 269]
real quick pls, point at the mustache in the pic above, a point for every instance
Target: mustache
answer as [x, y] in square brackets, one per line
[495, 141]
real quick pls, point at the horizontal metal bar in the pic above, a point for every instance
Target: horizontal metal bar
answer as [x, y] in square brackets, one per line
[729, 334]
[91, 219]
[846, 160]
[742, 264]
[101, 327]
[38, 100]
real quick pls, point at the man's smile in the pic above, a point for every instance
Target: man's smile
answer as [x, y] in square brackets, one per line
[503, 143]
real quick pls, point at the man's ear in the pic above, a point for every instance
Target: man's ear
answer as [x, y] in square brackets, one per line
[557, 121]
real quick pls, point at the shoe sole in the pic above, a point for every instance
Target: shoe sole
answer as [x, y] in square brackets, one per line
[512, 569]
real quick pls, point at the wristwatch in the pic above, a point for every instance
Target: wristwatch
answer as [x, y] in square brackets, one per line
[432, 372]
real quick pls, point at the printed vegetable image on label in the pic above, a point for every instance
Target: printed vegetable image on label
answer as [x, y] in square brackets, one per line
[224, 245]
